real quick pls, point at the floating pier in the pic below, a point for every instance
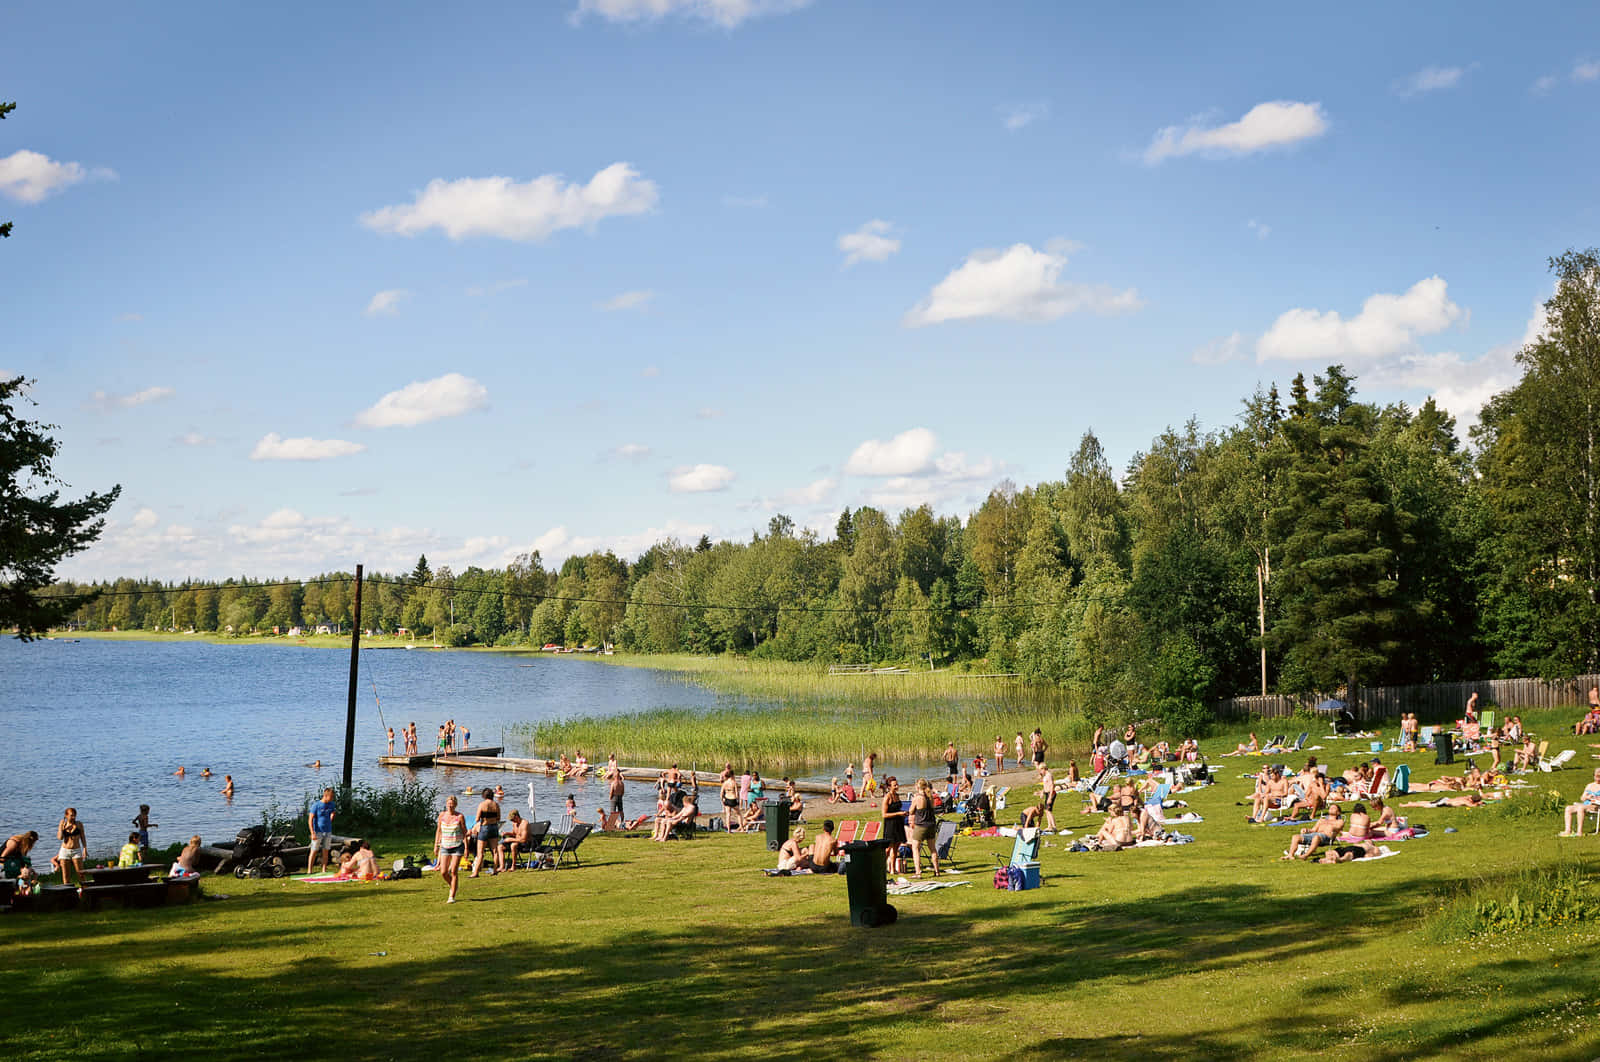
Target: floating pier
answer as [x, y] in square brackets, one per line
[426, 759]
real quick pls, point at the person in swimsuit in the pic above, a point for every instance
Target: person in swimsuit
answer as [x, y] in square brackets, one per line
[820, 858]
[391, 741]
[1019, 744]
[1344, 853]
[999, 753]
[793, 850]
[487, 829]
[14, 861]
[1047, 798]
[142, 821]
[206, 773]
[730, 800]
[187, 865]
[894, 823]
[449, 845]
[227, 786]
[1587, 802]
[869, 784]
[1036, 743]
[951, 761]
[74, 847]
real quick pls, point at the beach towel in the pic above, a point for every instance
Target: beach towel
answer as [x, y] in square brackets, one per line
[910, 888]
[1384, 852]
[327, 879]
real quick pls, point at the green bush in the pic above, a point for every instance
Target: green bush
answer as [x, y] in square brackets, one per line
[364, 809]
[1183, 717]
[1531, 803]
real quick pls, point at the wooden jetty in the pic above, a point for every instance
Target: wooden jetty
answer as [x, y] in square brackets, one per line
[426, 759]
[632, 774]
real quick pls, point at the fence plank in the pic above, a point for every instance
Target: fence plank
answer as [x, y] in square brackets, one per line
[1437, 702]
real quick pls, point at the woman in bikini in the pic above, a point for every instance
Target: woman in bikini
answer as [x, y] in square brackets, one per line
[74, 846]
[449, 845]
[487, 829]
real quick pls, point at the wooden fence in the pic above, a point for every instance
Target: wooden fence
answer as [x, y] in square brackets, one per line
[1437, 702]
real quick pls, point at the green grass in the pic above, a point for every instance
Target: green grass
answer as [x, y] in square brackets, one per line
[1213, 950]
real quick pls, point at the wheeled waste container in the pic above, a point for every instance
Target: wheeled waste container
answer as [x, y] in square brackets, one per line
[864, 882]
[777, 823]
[1444, 745]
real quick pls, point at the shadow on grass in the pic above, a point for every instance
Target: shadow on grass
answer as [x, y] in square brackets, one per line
[801, 987]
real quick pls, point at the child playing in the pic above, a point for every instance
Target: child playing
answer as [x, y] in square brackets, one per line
[142, 822]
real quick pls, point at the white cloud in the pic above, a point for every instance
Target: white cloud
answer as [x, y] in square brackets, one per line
[480, 291]
[1544, 84]
[1221, 351]
[559, 543]
[138, 398]
[144, 519]
[1431, 79]
[1387, 325]
[804, 498]
[953, 478]
[194, 438]
[628, 300]
[870, 243]
[1588, 70]
[1019, 283]
[387, 303]
[1266, 125]
[724, 13]
[1015, 116]
[631, 451]
[1261, 230]
[908, 453]
[449, 395]
[531, 211]
[29, 177]
[274, 447]
[699, 479]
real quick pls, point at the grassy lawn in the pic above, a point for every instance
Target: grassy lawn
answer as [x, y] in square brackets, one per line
[1213, 950]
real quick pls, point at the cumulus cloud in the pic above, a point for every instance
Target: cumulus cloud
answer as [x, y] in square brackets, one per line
[806, 497]
[870, 243]
[449, 395]
[105, 400]
[630, 451]
[529, 211]
[194, 438]
[1221, 351]
[29, 177]
[386, 303]
[1387, 325]
[1431, 79]
[1266, 125]
[1261, 230]
[144, 519]
[1015, 116]
[699, 479]
[1019, 283]
[274, 447]
[908, 453]
[724, 13]
[953, 478]
[628, 300]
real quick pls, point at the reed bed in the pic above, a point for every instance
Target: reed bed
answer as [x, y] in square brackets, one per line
[796, 736]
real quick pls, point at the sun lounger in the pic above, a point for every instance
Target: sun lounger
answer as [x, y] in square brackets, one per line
[847, 831]
[1557, 762]
[568, 846]
[873, 830]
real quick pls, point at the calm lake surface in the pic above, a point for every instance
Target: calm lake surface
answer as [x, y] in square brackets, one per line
[101, 725]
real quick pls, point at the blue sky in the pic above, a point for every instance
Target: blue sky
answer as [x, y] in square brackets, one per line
[353, 282]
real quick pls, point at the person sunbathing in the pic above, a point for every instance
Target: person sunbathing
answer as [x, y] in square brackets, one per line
[518, 832]
[1588, 801]
[1272, 789]
[820, 857]
[665, 824]
[1344, 853]
[1360, 825]
[1116, 833]
[1526, 756]
[1246, 748]
[1467, 800]
[792, 849]
[1326, 831]
[187, 865]
[1383, 817]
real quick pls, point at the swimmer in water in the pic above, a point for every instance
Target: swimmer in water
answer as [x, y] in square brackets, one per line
[179, 772]
[315, 764]
[206, 773]
[227, 785]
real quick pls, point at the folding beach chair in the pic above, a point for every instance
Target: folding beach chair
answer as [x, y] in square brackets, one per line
[1000, 797]
[1487, 719]
[1367, 790]
[537, 832]
[1426, 737]
[873, 831]
[1557, 762]
[1025, 849]
[1402, 779]
[568, 846]
[946, 840]
[847, 831]
[1300, 742]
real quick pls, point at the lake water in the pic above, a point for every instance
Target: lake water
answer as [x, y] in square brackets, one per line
[101, 726]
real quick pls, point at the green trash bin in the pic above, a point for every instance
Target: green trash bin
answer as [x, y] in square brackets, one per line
[864, 880]
[777, 823]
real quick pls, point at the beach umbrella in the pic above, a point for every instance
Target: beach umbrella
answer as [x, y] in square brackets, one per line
[1332, 704]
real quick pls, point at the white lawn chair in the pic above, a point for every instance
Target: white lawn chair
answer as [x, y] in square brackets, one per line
[1556, 762]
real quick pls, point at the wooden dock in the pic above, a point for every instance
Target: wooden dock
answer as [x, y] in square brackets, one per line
[632, 774]
[426, 759]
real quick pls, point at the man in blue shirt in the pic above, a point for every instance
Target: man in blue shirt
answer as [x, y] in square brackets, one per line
[321, 822]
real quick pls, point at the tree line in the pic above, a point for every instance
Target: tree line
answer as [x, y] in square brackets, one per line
[1319, 542]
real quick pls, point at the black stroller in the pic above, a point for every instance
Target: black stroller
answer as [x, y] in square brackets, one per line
[978, 812]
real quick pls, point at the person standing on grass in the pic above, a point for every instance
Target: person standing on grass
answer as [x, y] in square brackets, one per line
[1047, 798]
[320, 822]
[487, 827]
[894, 823]
[924, 827]
[449, 845]
[730, 798]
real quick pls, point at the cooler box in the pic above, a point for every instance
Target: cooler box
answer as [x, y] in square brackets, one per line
[1030, 875]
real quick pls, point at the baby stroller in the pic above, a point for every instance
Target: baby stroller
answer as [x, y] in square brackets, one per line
[978, 813]
[269, 861]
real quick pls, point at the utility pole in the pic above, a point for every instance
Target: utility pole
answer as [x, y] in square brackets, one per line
[355, 669]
